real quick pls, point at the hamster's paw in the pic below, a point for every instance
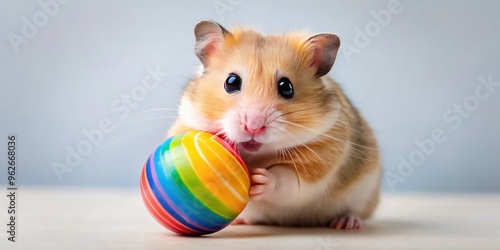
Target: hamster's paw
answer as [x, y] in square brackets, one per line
[346, 222]
[262, 182]
[242, 221]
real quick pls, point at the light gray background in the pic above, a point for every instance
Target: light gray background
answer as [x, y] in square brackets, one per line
[67, 76]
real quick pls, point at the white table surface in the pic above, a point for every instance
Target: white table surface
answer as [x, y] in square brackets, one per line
[103, 218]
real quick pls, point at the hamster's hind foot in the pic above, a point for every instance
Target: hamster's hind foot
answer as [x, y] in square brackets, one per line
[348, 222]
[242, 221]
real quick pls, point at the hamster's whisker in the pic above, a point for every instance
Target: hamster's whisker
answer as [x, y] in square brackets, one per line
[289, 155]
[281, 156]
[347, 143]
[147, 119]
[302, 144]
[151, 110]
[297, 111]
[137, 132]
[345, 125]
[127, 119]
[326, 135]
[276, 152]
[299, 158]
[294, 150]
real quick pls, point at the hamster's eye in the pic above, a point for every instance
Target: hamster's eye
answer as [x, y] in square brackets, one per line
[232, 83]
[285, 88]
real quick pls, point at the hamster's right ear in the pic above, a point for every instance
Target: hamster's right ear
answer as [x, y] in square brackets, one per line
[209, 36]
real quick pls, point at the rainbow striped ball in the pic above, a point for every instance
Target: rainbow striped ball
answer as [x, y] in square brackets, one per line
[195, 183]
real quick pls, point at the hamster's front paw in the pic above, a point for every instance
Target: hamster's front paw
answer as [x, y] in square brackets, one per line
[262, 182]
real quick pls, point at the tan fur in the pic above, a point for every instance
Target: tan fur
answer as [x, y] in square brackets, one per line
[347, 147]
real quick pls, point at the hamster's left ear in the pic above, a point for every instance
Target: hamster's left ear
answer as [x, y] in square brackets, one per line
[324, 48]
[209, 36]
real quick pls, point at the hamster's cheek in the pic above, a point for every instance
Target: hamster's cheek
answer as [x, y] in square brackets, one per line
[192, 116]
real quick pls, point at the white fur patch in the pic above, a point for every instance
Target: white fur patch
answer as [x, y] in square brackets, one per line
[195, 119]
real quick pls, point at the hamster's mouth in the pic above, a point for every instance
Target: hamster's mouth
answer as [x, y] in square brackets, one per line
[251, 146]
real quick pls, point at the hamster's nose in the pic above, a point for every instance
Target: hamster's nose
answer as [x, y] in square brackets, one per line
[254, 121]
[255, 130]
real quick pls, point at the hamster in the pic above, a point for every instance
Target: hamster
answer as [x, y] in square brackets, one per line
[313, 160]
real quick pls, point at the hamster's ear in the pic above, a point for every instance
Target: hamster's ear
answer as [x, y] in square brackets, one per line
[325, 47]
[209, 36]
